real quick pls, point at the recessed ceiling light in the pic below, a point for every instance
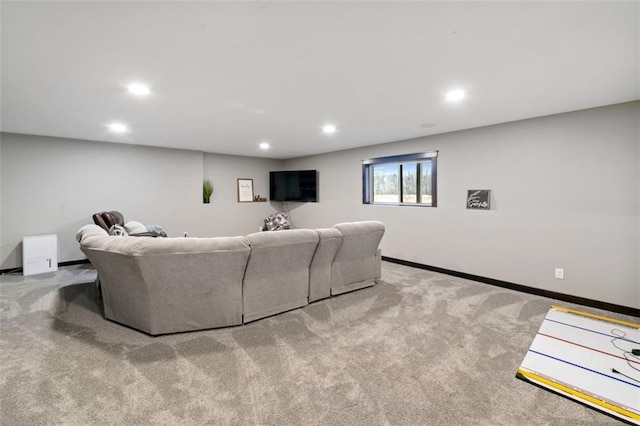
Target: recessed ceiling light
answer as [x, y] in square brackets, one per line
[264, 145]
[455, 95]
[118, 127]
[329, 128]
[138, 89]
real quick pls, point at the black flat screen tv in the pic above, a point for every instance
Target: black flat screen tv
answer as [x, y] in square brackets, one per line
[294, 185]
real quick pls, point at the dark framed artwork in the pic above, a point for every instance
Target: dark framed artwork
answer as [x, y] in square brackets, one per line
[478, 199]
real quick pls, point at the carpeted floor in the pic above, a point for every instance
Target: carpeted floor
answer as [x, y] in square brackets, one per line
[419, 348]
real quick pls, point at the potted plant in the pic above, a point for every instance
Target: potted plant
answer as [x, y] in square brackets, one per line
[207, 191]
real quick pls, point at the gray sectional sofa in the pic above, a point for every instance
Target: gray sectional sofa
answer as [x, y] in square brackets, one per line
[168, 285]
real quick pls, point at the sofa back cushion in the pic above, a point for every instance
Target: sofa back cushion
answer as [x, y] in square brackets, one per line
[277, 275]
[356, 263]
[90, 230]
[133, 246]
[165, 285]
[320, 269]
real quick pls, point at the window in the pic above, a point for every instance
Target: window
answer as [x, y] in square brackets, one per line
[406, 180]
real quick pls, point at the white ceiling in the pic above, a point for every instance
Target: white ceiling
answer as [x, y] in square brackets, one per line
[227, 75]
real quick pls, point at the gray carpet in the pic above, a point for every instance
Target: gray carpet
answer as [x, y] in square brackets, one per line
[419, 348]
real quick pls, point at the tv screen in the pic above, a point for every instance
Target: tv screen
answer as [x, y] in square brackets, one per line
[294, 185]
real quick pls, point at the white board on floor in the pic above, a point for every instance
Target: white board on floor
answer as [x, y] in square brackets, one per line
[588, 358]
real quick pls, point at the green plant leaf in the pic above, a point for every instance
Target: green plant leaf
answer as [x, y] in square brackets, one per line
[207, 188]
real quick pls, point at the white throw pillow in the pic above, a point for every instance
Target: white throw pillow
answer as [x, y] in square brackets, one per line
[88, 230]
[134, 227]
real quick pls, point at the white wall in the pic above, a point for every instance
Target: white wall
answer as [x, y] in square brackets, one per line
[225, 216]
[564, 194]
[1, 180]
[54, 185]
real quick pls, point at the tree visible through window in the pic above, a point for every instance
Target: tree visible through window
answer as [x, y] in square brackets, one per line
[400, 180]
[386, 184]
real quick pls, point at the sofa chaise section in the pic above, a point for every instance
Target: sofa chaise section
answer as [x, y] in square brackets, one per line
[357, 263]
[277, 275]
[167, 285]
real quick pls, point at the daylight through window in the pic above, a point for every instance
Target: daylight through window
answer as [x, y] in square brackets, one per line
[400, 180]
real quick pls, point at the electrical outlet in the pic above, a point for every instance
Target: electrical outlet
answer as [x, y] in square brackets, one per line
[560, 273]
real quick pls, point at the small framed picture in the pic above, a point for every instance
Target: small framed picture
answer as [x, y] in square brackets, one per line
[478, 199]
[245, 190]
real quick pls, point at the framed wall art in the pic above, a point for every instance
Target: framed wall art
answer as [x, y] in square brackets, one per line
[245, 190]
[479, 199]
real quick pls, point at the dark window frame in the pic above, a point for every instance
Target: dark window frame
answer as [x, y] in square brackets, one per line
[413, 159]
